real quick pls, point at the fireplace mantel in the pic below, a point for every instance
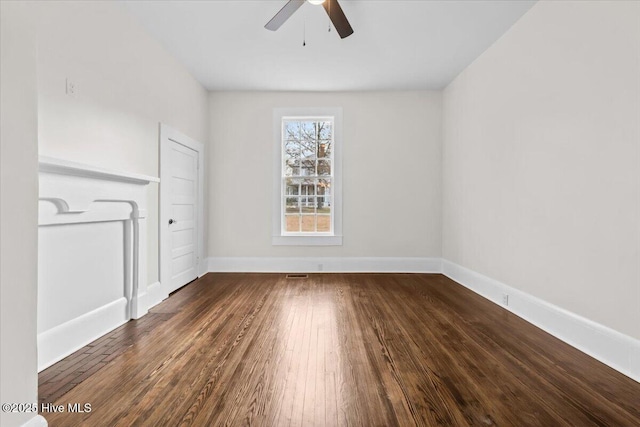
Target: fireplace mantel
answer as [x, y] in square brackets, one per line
[92, 254]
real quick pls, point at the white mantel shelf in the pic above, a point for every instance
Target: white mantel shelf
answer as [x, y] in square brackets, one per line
[65, 167]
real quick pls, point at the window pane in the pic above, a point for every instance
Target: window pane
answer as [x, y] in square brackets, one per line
[308, 204]
[291, 130]
[325, 130]
[324, 148]
[324, 190]
[308, 223]
[291, 158]
[308, 152]
[291, 150]
[292, 223]
[324, 223]
[307, 130]
[292, 205]
[292, 186]
[308, 141]
[324, 167]
[323, 205]
[291, 168]
[308, 187]
[308, 167]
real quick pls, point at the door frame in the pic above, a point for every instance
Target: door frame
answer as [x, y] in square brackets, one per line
[168, 135]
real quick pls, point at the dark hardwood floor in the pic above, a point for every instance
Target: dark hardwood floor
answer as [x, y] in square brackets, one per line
[332, 350]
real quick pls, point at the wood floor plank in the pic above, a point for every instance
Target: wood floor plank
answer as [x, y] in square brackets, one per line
[525, 361]
[334, 350]
[454, 363]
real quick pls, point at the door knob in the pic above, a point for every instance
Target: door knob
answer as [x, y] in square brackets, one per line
[171, 221]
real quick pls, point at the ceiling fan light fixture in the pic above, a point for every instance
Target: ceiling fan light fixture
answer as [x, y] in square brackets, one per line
[332, 7]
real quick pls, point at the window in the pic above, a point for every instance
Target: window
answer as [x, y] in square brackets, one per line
[308, 177]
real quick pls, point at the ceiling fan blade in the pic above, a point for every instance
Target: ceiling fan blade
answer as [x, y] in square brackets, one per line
[284, 14]
[338, 18]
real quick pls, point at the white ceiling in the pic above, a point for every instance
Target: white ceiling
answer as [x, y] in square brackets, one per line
[397, 44]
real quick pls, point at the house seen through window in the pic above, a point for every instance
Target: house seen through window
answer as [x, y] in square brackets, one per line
[307, 175]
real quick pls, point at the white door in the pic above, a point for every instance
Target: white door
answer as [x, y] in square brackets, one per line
[180, 195]
[183, 191]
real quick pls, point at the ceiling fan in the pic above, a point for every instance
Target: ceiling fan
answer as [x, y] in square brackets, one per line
[333, 9]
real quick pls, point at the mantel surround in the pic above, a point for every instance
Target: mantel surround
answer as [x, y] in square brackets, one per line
[92, 255]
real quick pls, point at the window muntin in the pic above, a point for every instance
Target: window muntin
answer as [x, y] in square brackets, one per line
[307, 176]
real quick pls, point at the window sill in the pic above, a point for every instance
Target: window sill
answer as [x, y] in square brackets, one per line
[306, 240]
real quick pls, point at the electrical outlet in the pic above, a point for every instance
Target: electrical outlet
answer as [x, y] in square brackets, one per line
[320, 267]
[71, 88]
[505, 299]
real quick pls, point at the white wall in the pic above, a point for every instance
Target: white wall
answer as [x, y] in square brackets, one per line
[18, 209]
[391, 172]
[541, 161]
[126, 84]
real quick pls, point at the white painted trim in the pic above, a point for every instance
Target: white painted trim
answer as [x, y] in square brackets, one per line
[306, 240]
[37, 421]
[84, 194]
[168, 134]
[338, 142]
[65, 167]
[154, 295]
[611, 347]
[203, 267]
[57, 343]
[329, 265]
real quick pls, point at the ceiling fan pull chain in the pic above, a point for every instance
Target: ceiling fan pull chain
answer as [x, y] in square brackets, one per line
[304, 31]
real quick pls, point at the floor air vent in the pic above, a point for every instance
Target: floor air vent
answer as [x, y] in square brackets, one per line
[297, 276]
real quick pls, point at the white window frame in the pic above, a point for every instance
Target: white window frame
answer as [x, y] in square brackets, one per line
[279, 237]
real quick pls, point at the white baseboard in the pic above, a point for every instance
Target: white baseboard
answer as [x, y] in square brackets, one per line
[324, 265]
[37, 421]
[154, 296]
[62, 340]
[203, 267]
[612, 348]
